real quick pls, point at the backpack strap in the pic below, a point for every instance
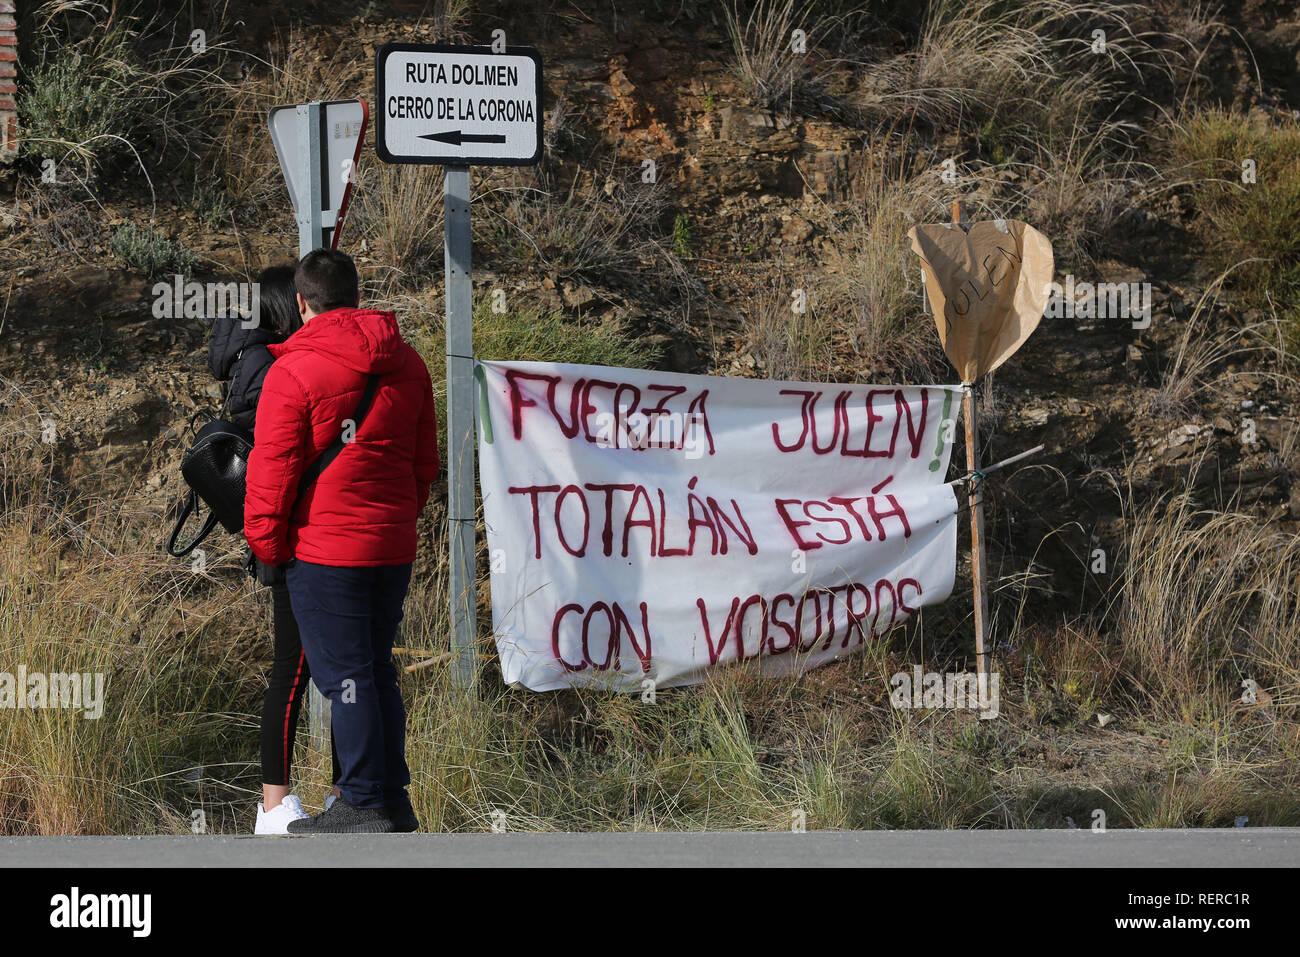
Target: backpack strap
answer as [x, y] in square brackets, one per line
[313, 471]
[191, 506]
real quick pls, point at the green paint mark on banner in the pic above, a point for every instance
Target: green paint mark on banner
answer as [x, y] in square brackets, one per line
[484, 412]
[947, 409]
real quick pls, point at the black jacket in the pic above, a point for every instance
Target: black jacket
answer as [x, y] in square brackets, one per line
[240, 355]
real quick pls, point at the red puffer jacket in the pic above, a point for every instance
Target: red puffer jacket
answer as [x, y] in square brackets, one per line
[362, 510]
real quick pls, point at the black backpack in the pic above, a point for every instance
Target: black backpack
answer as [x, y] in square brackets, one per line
[216, 470]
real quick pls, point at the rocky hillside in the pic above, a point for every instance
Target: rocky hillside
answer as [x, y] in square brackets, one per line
[748, 196]
[697, 174]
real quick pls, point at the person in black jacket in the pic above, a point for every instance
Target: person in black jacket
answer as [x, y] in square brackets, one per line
[237, 353]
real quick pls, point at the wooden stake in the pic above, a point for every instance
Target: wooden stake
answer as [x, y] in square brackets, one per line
[975, 492]
[429, 662]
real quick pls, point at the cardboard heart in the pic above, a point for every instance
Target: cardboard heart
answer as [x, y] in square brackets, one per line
[987, 287]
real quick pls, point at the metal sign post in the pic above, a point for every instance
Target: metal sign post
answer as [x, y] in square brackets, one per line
[311, 236]
[318, 145]
[461, 518]
[458, 106]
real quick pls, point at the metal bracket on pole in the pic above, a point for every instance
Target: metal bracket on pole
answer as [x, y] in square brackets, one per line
[461, 517]
[311, 231]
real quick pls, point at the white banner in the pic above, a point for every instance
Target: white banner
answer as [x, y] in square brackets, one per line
[651, 525]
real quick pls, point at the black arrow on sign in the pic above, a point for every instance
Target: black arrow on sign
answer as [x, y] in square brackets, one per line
[456, 137]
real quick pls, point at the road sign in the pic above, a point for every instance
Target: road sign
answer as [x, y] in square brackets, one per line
[458, 105]
[319, 146]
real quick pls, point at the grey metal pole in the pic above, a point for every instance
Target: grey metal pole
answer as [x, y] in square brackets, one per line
[460, 424]
[310, 236]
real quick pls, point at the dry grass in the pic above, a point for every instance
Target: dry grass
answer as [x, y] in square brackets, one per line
[1199, 357]
[396, 221]
[787, 343]
[81, 591]
[871, 293]
[1249, 227]
[63, 216]
[295, 70]
[110, 83]
[243, 157]
[1205, 600]
[1023, 79]
[602, 225]
[977, 57]
[763, 42]
[1078, 190]
[969, 55]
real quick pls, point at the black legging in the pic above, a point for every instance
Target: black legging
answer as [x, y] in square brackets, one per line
[288, 686]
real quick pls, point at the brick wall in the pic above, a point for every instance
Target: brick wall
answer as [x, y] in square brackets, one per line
[8, 82]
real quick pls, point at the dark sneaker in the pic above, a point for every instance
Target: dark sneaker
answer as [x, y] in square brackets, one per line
[403, 818]
[342, 818]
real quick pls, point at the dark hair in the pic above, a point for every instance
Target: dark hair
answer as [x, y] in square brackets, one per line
[327, 279]
[277, 306]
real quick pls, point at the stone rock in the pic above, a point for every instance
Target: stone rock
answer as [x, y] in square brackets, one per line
[575, 297]
[826, 174]
[1183, 434]
[796, 230]
[742, 124]
[621, 85]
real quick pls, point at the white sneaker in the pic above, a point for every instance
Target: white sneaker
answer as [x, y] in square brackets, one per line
[276, 820]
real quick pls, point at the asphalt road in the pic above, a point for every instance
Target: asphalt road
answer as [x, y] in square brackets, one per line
[1237, 847]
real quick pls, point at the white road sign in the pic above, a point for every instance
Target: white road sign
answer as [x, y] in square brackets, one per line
[458, 105]
[341, 127]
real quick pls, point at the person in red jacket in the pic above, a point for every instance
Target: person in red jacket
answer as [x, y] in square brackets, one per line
[348, 539]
